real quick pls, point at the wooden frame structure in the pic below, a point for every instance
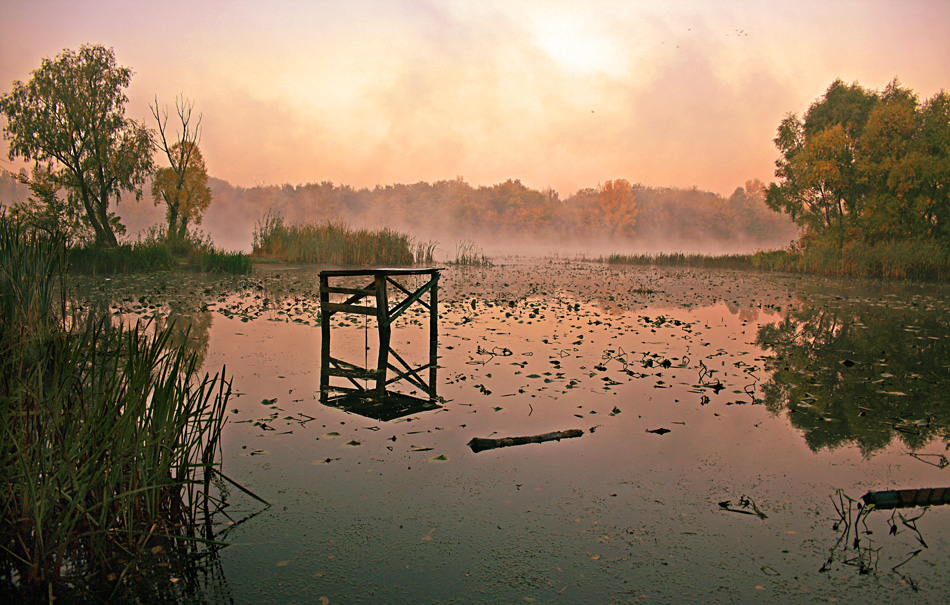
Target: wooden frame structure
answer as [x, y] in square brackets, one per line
[377, 291]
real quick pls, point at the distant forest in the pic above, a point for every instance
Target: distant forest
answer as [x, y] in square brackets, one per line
[616, 215]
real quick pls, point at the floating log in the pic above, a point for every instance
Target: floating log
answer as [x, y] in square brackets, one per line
[478, 443]
[906, 498]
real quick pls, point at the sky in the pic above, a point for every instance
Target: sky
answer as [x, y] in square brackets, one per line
[557, 94]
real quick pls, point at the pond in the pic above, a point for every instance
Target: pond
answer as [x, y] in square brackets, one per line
[730, 424]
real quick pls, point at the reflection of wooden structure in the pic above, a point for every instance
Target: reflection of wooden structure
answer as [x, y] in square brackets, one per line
[376, 292]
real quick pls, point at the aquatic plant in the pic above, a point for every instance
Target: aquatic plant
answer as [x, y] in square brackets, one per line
[330, 243]
[886, 260]
[424, 252]
[157, 252]
[109, 433]
[469, 255]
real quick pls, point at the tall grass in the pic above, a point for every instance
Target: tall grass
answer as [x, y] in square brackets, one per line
[924, 260]
[109, 434]
[157, 252]
[678, 259]
[467, 254]
[424, 252]
[330, 243]
[886, 260]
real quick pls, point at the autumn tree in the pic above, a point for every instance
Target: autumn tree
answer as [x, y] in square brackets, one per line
[183, 185]
[71, 116]
[617, 207]
[866, 166]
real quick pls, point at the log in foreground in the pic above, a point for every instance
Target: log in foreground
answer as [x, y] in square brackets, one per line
[478, 443]
[907, 498]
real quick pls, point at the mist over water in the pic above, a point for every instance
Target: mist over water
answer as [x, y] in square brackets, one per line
[504, 219]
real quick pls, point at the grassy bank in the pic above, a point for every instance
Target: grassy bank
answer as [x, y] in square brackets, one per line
[110, 435]
[888, 260]
[156, 253]
[334, 244]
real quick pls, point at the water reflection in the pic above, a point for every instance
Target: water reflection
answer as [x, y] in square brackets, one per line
[368, 391]
[373, 299]
[860, 372]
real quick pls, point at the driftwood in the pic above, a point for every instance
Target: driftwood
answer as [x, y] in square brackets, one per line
[478, 443]
[906, 498]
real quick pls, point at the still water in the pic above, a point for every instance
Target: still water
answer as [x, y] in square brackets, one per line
[729, 419]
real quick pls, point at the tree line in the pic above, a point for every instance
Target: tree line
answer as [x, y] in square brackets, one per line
[615, 212]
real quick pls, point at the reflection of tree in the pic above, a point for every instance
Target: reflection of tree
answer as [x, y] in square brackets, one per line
[190, 325]
[860, 374]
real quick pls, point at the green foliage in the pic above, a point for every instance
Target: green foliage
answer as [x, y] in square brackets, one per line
[71, 114]
[866, 166]
[110, 434]
[211, 260]
[330, 244]
[136, 257]
[157, 252]
[46, 211]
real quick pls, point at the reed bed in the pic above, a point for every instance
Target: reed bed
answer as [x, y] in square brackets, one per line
[885, 260]
[110, 435]
[726, 261]
[125, 258]
[330, 244]
[156, 252]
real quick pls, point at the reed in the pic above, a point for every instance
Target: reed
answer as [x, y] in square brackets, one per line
[467, 254]
[330, 243]
[678, 259]
[110, 434]
[919, 260]
[424, 252]
[157, 252]
[126, 258]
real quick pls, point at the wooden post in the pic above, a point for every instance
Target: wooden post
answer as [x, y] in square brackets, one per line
[325, 314]
[382, 318]
[433, 331]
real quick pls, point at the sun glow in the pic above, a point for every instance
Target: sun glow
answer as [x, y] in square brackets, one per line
[579, 46]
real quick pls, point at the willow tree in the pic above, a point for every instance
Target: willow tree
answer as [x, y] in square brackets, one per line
[183, 185]
[71, 116]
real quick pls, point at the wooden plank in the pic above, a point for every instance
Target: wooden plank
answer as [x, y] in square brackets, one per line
[362, 310]
[351, 373]
[401, 307]
[380, 271]
[340, 290]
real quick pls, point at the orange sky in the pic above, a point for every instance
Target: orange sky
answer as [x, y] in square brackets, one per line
[557, 94]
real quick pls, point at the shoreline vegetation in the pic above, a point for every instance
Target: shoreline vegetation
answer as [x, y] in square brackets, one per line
[111, 437]
[156, 252]
[897, 260]
[335, 243]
